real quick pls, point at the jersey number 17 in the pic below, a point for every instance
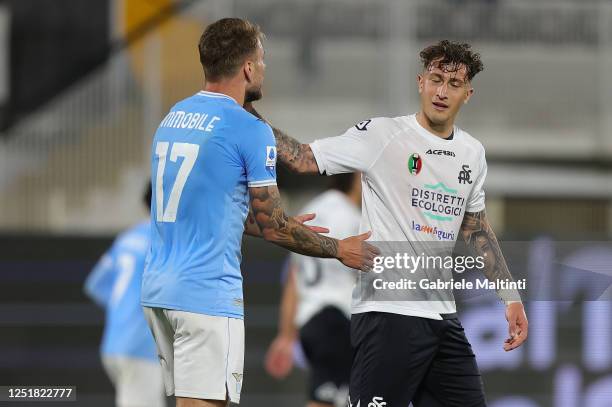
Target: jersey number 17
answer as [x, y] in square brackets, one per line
[189, 152]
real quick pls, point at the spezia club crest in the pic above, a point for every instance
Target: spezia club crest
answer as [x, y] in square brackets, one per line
[270, 156]
[415, 163]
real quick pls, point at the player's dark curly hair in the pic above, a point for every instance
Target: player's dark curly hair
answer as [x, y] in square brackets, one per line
[451, 55]
[225, 44]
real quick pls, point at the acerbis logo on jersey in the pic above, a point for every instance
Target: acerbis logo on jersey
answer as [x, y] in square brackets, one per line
[363, 125]
[270, 156]
[440, 152]
[415, 163]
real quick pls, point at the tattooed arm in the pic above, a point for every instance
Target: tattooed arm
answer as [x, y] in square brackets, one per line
[480, 239]
[285, 231]
[250, 226]
[295, 156]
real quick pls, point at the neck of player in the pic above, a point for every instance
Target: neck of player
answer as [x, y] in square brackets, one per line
[230, 87]
[441, 130]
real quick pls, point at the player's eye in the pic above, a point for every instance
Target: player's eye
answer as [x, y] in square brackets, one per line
[436, 79]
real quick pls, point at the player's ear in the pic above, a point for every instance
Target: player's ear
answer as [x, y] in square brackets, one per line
[420, 81]
[248, 69]
[468, 95]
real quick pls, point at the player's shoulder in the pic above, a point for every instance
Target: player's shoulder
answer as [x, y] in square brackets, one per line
[470, 141]
[378, 125]
[243, 120]
[188, 103]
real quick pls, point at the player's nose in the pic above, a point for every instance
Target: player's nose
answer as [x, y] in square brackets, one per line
[441, 93]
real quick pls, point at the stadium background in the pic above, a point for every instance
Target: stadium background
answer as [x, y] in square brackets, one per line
[84, 84]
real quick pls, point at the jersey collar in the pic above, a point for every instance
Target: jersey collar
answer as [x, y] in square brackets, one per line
[429, 135]
[215, 95]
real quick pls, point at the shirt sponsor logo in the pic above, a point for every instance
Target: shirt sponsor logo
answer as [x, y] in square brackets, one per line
[440, 152]
[434, 231]
[415, 164]
[438, 202]
[270, 156]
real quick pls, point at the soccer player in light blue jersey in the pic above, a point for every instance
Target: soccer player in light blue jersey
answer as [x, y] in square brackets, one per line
[128, 350]
[211, 160]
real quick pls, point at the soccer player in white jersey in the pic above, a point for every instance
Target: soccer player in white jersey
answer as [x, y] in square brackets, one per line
[422, 181]
[211, 160]
[316, 303]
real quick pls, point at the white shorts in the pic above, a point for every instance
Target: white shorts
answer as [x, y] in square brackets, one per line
[138, 382]
[202, 356]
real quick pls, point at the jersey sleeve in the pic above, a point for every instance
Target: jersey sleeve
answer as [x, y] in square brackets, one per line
[476, 200]
[258, 153]
[355, 150]
[99, 283]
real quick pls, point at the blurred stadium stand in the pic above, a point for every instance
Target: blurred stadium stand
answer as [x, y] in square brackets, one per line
[72, 163]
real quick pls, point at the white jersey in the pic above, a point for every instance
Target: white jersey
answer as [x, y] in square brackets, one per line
[323, 282]
[416, 188]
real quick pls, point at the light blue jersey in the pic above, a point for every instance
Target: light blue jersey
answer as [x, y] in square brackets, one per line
[206, 153]
[115, 284]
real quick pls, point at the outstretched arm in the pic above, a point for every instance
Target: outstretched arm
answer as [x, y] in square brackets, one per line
[480, 238]
[278, 228]
[251, 227]
[295, 156]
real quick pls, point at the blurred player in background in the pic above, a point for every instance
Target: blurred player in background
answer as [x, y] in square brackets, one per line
[128, 350]
[210, 157]
[317, 302]
[421, 173]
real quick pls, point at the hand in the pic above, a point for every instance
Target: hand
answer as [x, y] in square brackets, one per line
[517, 326]
[308, 217]
[279, 359]
[356, 253]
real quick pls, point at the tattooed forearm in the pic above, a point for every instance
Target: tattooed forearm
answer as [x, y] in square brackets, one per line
[480, 238]
[294, 155]
[297, 157]
[251, 227]
[280, 229]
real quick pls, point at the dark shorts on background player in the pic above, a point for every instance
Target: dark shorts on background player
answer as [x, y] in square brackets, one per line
[399, 359]
[325, 339]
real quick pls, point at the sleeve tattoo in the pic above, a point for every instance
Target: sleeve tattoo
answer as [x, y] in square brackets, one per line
[251, 227]
[294, 155]
[285, 231]
[481, 240]
[297, 157]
